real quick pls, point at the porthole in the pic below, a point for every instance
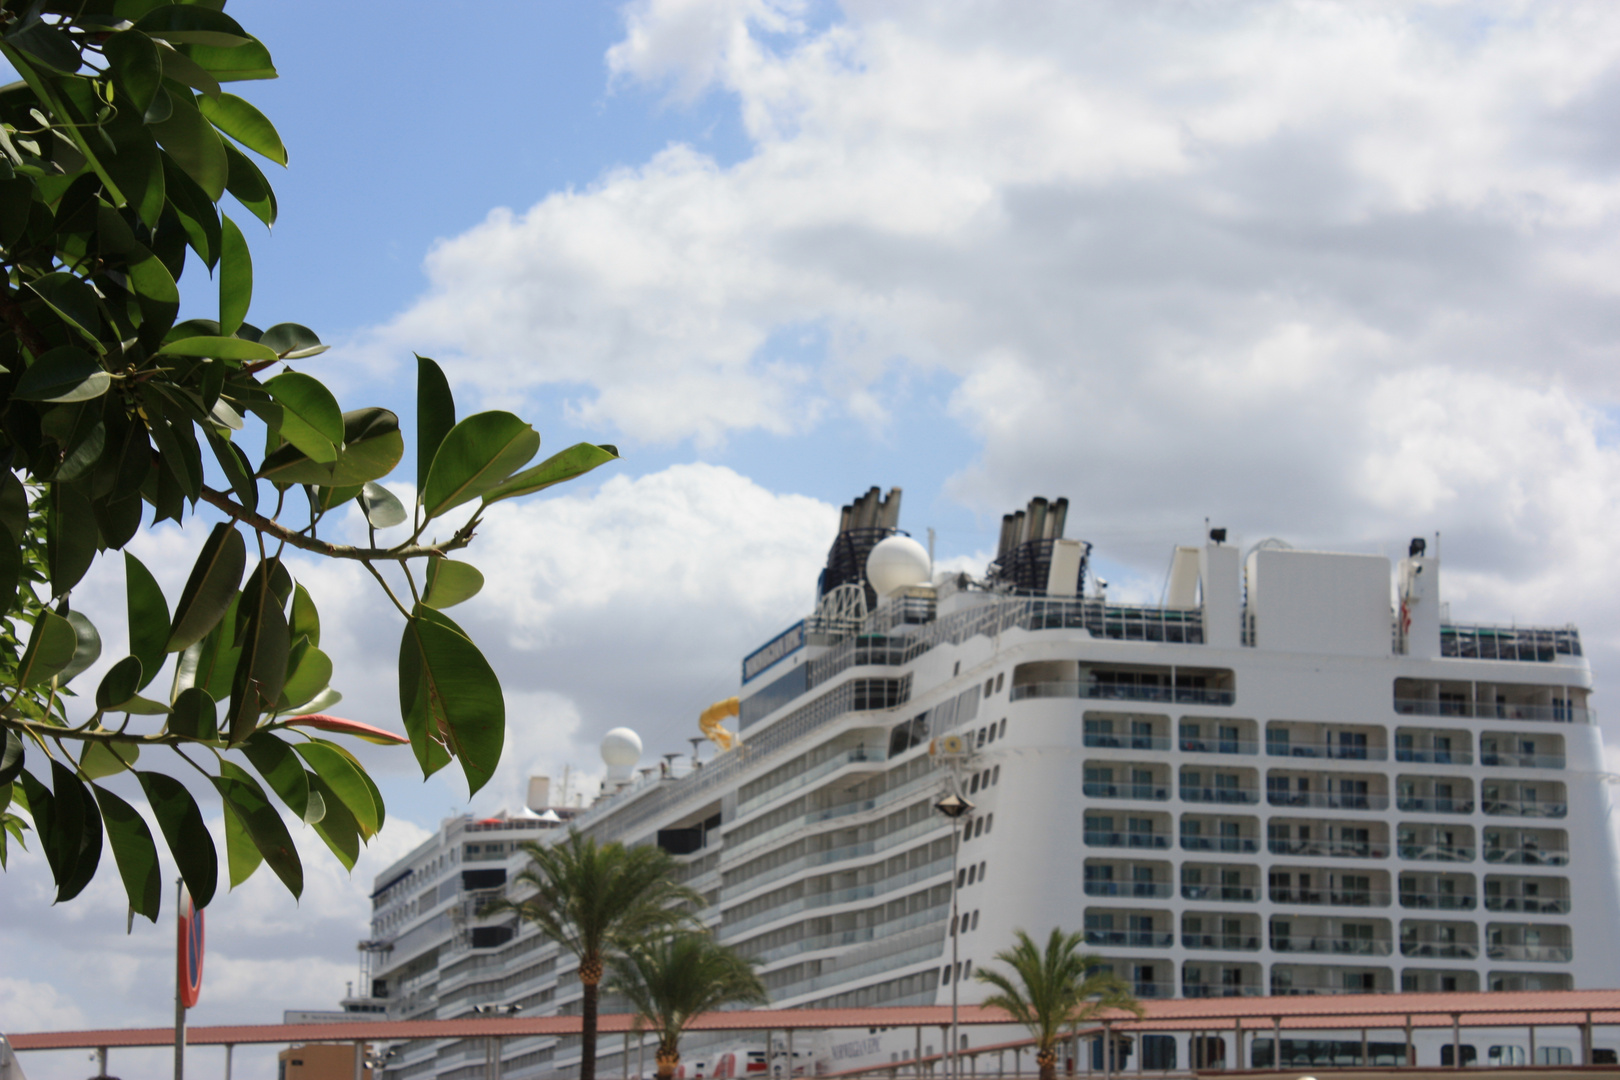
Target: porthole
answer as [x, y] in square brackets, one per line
[989, 687]
[973, 873]
[989, 821]
[961, 879]
[975, 925]
[995, 775]
[973, 785]
[1004, 726]
[981, 871]
[999, 678]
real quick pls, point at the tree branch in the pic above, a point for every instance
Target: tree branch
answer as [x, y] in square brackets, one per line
[50, 731]
[262, 524]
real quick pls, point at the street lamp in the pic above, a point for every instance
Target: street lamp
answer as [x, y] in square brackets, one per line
[492, 1044]
[954, 807]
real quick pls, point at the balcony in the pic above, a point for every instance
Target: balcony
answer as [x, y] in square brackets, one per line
[1333, 800]
[1227, 942]
[1526, 856]
[1536, 953]
[1336, 849]
[1507, 760]
[1141, 890]
[1232, 845]
[1097, 789]
[1339, 897]
[1434, 757]
[1331, 946]
[1224, 795]
[1153, 989]
[1109, 741]
[1146, 939]
[1219, 746]
[1426, 804]
[1437, 901]
[1437, 852]
[1157, 841]
[1523, 643]
[1219, 990]
[1440, 950]
[1536, 808]
[1530, 905]
[1237, 894]
[1181, 695]
[1335, 751]
[1560, 714]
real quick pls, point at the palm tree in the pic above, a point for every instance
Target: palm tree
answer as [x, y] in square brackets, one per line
[670, 980]
[594, 900]
[1052, 992]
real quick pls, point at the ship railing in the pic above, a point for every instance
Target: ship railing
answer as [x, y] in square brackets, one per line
[1332, 946]
[1105, 741]
[1434, 757]
[1228, 942]
[1527, 856]
[1242, 793]
[1145, 939]
[1219, 990]
[1521, 761]
[842, 938]
[839, 976]
[1330, 849]
[1136, 889]
[860, 755]
[1098, 691]
[1238, 894]
[736, 848]
[1532, 905]
[1434, 805]
[1336, 897]
[1229, 844]
[1096, 789]
[1544, 953]
[1539, 808]
[1440, 950]
[1560, 714]
[837, 896]
[1437, 852]
[1283, 990]
[1219, 746]
[1126, 839]
[1535, 644]
[1438, 901]
[1337, 800]
[1333, 751]
[1144, 989]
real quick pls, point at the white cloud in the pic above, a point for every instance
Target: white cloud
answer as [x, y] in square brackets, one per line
[36, 1006]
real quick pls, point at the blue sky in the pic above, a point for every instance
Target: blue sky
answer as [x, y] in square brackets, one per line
[1340, 274]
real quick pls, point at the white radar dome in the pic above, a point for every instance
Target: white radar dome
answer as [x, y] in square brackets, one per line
[621, 749]
[897, 562]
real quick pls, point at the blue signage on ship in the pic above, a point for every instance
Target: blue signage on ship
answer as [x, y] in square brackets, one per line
[779, 647]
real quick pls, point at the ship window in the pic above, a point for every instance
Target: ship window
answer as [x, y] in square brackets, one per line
[967, 969]
[995, 774]
[1003, 727]
[973, 874]
[945, 978]
[999, 679]
[978, 827]
[981, 871]
[992, 733]
[957, 669]
[989, 687]
[975, 920]
[973, 785]
[990, 819]
[961, 879]
[980, 737]
[953, 926]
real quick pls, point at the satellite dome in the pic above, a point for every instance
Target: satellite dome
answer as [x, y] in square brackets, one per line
[897, 562]
[621, 749]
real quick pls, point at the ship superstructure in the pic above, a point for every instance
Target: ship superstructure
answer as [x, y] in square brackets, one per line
[1295, 775]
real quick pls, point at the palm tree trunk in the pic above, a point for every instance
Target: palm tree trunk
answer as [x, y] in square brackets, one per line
[1046, 1061]
[590, 973]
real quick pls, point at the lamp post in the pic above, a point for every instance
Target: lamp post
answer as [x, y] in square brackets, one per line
[956, 808]
[492, 1044]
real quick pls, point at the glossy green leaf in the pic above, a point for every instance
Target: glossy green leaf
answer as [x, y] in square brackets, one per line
[107, 759]
[262, 669]
[12, 756]
[211, 587]
[262, 826]
[435, 415]
[71, 299]
[193, 714]
[193, 144]
[119, 684]
[182, 71]
[136, 67]
[66, 373]
[50, 649]
[450, 582]
[337, 827]
[247, 125]
[235, 277]
[282, 770]
[78, 833]
[309, 672]
[382, 508]
[306, 621]
[577, 460]
[193, 24]
[292, 341]
[86, 648]
[11, 568]
[218, 348]
[449, 691]
[199, 218]
[476, 455]
[233, 462]
[343, 777]
[311, 419]
[250, 61]
[46, 45]
[372, 446]
[186, 833]
[70, 537]
[148, 617]
[13, 503]
[248, 185]
[134, 852]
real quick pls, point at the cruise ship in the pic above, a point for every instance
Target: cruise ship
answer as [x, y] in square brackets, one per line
[1297, 774]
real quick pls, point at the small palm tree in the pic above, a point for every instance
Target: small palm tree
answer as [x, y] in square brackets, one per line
[594, 900]
[1053, 991]
[671, 980]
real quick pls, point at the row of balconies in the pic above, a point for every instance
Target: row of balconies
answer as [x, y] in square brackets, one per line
[1205, 979]
[1146, 782]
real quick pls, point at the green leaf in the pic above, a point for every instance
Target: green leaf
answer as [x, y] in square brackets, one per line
[250, 61]
[193, 714]
[182, 71]
[235, 277]
[337, 827]
[192, 24]
[148, 617]
[186, 833]
[342, 777]
[450, 582]
[11, 568]
[12, 756]
[73, 300]
[245, 124]
[382, 508]
[262, 668]
[241, 853]
[136, 67]
[282, 770]
[306, 621]
[577, 460]
[310, 419]
[86, 649]
[50, 649]
[218, 348]
[197, 213]
[66, 373]
[78, 833]
[193, 143]
[263, 826]
[477, 455]
[372, 446]
[119, 684]
[233, 462]
[45, 44]
[107, 759]
[292, 342]
[13, 503]
[134, 852]
[211, 587]
[70, 537]
[448, 691]
[308, 673]
[435, 415]
[249, 186]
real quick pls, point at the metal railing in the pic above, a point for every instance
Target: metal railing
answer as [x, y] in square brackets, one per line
[1329, 849]
[1533, 644]
[1441, 950]
[1214, 990]
[1334, 751]
[1097, 789]
[1337, 897]
[1429, 804]
[1434, 757]
[1437, 852]
[1536, 808]
[1237, 845]
[1527, 856]
[1229, 942]
[1336, 800]
[860, 755]
[1334, 946]
[1560, 714]
[1503, 759]
[1097, 691]
[1146, 939]
[1438, 901]
[1550, 953]
[1236, 894]
[1533, 905]
[1219, 746]
[1229, 795]
[1105, 741]
[1136, 889]
[1126, 839]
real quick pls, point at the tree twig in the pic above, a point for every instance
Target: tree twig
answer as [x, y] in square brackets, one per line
[262, 524]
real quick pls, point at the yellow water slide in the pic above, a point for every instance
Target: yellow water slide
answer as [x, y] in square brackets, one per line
[709, 722]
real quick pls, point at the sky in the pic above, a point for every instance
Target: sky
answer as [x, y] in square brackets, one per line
[1336, 273]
